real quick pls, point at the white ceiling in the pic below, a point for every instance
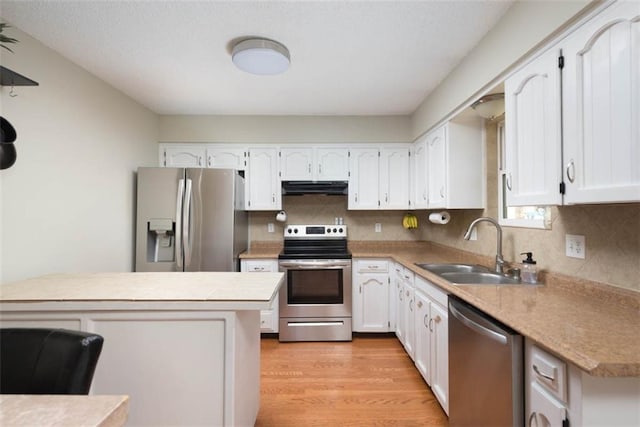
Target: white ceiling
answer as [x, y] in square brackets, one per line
[347, 57]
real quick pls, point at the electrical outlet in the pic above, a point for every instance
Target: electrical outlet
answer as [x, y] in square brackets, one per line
[270, 227]
[378, 227]
[575, 246]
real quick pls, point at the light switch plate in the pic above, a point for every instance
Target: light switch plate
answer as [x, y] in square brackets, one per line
[270, 227]
[575, 246]
[378, 227]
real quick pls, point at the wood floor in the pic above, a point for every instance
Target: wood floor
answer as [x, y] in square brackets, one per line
[368, 382]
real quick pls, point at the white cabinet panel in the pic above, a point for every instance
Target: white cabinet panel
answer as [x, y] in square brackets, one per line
[601, 101]
[363, 182]
[262, 184]
[455, 160]
[226, 157]
[296, 163]
[423, 337]
[332, 163]
[370, 295]
[320, 163]
[533, 133]
[394, 178]
[269, 319]
[420, 187]
[184, 156]
[379, 177]
[436, 167]
[440, 354]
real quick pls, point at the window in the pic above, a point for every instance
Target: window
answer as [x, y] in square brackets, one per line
[516, 216]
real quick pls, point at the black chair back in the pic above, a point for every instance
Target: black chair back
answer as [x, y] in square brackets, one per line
[47, 361]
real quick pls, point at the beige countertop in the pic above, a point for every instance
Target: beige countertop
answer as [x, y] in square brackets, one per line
[247, 291]
[18, 410]
[594, 326]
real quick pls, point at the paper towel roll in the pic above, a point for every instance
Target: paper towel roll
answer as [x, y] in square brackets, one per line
[440, 217]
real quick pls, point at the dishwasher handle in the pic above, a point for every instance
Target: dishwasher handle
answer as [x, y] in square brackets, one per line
[471, 320]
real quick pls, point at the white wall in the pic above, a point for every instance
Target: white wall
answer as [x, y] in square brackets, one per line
[523, 26]
[281, 129]
[68, 203]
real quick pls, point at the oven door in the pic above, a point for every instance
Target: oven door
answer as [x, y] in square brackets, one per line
[316, 288]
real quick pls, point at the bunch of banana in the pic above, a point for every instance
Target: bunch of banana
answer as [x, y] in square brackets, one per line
[409, 221]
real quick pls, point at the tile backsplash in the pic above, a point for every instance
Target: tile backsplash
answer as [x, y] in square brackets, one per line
[612, 232]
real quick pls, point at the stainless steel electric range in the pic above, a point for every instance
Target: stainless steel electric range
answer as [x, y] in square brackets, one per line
[315, 301]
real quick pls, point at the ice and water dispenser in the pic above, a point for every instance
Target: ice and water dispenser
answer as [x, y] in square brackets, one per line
[161, 240]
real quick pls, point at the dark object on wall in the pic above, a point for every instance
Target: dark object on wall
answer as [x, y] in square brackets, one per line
[7, 132]
[8, 155]
[8, 152]
[47, 361]
[11, 78]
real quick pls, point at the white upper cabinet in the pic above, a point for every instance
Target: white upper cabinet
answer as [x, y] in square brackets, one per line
[296, 164]
[183, 156]
[455, 159]
[394, 178]
[533, 133]
[420, 188]
[436, 168]
[363, 180]
[601, 101]
[379, 177]
[314, 163]
[262, 186]
[332, 163]
[226, 157]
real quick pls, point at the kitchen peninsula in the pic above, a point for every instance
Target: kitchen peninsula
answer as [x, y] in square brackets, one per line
[184, 346]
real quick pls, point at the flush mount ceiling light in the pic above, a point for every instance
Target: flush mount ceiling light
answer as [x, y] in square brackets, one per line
[490, 106]
[261, 56]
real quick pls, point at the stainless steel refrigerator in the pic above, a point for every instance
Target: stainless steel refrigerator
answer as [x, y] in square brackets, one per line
[190, 219]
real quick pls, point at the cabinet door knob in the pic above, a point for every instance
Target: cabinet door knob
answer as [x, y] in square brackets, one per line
[437, 319]
[419, 304]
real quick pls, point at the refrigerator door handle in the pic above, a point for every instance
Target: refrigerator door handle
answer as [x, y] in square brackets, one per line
[186, 224]
[178, 237]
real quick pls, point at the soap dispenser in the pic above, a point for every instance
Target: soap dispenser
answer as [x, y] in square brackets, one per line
[529, 272]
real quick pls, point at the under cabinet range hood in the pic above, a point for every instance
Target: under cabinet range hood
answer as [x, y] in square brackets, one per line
[299, 188]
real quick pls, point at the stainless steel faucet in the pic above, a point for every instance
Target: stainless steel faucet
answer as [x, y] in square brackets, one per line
[499, 268]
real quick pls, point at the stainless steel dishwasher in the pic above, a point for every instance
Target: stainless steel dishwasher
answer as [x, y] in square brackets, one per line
[485, 369]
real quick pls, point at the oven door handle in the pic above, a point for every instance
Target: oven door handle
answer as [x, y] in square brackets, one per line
[314, 264]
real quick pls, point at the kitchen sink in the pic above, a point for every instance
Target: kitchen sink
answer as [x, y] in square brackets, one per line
[452, 268]
[459, 274]
[484, 278]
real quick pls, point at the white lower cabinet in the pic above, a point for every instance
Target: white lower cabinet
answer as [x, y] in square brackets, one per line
[432, 338]
[407, 312]
[269, 319]
[558, 393]
[371, 295]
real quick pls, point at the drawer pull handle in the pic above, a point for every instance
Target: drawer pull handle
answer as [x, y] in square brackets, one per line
[545, 376]
[533, 417]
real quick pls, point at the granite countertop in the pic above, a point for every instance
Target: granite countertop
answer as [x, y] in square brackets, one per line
[213, 287]
[63, 410]
[592, 325]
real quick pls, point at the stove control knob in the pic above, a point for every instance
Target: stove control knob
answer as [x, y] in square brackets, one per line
[335, 230]
[328, 230]
[295, 230]
[340, 230]
[289, 231]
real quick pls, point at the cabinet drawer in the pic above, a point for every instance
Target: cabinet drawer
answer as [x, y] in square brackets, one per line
[260, 266]
[434, 292]
[372, 266]
[549, 371]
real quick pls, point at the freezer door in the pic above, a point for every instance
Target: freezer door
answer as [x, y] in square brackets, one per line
[157, 219]
[210, 220]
